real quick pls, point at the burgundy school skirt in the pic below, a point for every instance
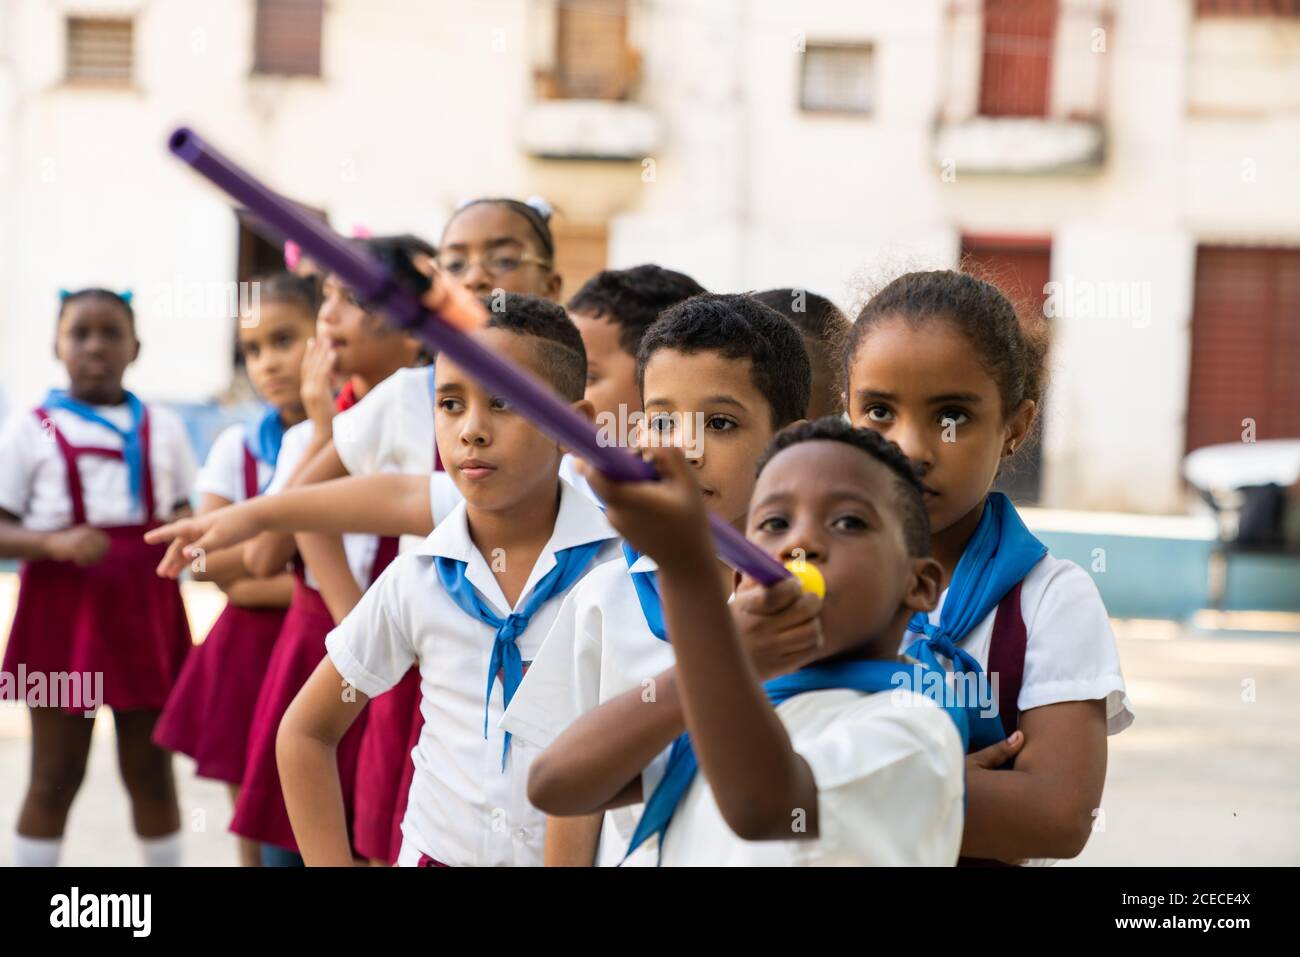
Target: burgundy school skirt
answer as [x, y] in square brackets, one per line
[382, 783]
[260, 814]
[210, 710]
[117, 618]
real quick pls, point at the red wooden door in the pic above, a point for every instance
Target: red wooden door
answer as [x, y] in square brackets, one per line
[1245, 345]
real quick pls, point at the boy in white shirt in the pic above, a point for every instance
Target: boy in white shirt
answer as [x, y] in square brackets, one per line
[733, 371]
[829, 758]
[470, 608]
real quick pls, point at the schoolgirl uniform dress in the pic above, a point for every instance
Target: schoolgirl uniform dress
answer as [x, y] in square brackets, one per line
[122, 469]
[210, 710]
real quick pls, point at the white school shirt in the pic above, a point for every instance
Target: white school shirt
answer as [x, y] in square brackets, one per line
[463, 807]
[360, 549]
[223, 471]
[391, 431]
[34, 479]
[1070, 651]
[889, 772]
[599, 647]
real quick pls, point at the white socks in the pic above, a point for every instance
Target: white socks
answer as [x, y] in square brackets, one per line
[36, 851]
[162, 851]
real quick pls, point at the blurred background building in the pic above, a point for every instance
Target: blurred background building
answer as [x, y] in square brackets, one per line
[1130, 164]
[1132, 167]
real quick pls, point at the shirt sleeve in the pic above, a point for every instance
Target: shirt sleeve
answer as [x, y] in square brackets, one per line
[373, 647]
[889, 787]
[180, 463]
[366, 435]
[1071, 653]
[18, 442]
[563, 681]
[223, 472]
[443, 496]
[292, 447]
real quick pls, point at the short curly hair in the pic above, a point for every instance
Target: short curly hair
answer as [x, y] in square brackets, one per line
[738, 327]
[633, 298]
[909, 500]
[559, 345]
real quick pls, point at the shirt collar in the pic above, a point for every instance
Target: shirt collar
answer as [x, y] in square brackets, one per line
[643, 564]
[578, 522]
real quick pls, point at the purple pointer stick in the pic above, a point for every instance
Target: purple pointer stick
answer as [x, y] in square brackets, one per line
[372, 281]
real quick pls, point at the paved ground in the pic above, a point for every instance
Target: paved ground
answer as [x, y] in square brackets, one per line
[1208, 774]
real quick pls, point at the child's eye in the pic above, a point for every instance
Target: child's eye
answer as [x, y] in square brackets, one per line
[773, 523]
[499, 404]
[661, 422]
[953, 417]
[450, 405]
[719, 423]
[879, 413]
[250, 352]
[849, 523]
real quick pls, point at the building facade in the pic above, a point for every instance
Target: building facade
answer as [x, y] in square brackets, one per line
[1130, 166]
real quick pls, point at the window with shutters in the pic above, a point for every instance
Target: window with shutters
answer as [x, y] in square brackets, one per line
[99, 50]
[1245, 345]
[287, 37]
[1016, 69]
[837, 78]
[593, 57]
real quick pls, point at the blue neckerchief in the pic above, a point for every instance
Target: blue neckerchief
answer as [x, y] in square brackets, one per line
[570, 564]
[264, 441]
[132, 448]
[999, 554]
[647, 593]
[868, 677]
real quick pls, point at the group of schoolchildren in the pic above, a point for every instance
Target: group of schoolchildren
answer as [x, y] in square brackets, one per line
[448, 642]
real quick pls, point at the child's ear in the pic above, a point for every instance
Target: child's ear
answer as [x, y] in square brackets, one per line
[1018, 425]
[553, 286]
[584, 409]
[927, 579]
[135, 352]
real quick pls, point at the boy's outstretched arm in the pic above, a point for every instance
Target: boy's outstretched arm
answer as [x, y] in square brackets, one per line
[757, 778]
[306, 749]
[381, 504]
[596, 763]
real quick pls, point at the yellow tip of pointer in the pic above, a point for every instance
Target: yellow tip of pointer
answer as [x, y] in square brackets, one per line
[809, 576]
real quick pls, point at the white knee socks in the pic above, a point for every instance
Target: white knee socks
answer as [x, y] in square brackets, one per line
[162, 851]
[36, 851]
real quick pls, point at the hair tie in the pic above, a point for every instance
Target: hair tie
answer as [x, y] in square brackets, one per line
[292, 255]
[126, 295]
[65, 295]
[540, 206]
